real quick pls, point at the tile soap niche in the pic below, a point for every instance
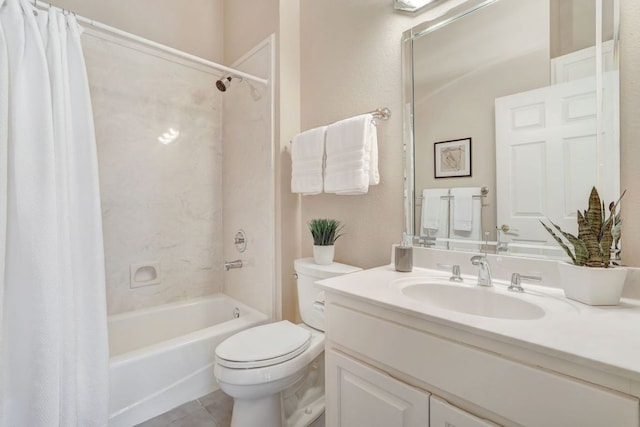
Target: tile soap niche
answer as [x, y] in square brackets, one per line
[144, 274]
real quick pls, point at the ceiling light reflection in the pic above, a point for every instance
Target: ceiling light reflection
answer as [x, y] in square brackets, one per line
[169, 136]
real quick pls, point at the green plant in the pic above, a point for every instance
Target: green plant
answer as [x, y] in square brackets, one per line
[596, 233]
[325, 232]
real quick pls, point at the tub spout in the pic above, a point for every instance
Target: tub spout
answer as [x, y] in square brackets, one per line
[228, 265]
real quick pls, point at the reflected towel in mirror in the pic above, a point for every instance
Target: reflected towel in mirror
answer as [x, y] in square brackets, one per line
[466, 212]
[462, 207]
[435, 212]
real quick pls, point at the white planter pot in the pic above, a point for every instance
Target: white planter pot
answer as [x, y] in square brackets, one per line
[323, 255]
[592, 286]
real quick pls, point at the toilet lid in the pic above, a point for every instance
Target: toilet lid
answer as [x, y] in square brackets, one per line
[264, 345]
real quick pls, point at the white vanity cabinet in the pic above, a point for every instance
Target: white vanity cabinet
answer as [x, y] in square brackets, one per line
[382, 364]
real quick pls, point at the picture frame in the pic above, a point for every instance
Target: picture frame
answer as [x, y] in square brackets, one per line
[452, 158]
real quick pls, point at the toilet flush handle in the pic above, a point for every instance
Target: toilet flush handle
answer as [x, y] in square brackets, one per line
[319, 306]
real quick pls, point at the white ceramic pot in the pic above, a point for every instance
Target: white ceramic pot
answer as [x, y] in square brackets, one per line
[591, 285]
[323, 255]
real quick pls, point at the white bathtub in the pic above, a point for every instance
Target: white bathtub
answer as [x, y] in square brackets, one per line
[163, 356]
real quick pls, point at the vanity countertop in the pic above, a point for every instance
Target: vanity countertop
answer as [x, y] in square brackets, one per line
[605, 339]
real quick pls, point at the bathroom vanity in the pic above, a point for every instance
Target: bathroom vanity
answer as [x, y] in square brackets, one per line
[413, 349]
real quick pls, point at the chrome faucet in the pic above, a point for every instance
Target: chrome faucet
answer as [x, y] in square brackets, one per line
[484, 274]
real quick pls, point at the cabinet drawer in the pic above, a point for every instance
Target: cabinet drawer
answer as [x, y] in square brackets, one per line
[442, 414]
[526, 395]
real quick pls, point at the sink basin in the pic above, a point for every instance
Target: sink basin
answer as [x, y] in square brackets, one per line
[478, 301]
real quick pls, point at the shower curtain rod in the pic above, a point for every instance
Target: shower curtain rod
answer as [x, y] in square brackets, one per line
[155, 45]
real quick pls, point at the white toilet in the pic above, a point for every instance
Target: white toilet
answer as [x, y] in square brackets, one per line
[275, 372]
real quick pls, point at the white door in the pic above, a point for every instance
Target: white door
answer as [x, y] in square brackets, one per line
[359, 395]
[548, 158]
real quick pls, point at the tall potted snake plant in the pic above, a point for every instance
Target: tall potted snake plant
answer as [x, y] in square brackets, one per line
[591, 277]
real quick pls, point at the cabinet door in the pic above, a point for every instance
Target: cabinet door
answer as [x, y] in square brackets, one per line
[359, 395]
[446, 415]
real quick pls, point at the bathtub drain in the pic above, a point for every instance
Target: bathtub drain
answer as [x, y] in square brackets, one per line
[236, 313]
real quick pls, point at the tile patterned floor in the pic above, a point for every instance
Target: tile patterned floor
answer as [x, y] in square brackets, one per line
[212, 410]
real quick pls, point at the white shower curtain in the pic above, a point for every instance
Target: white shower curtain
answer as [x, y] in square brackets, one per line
[53, 336]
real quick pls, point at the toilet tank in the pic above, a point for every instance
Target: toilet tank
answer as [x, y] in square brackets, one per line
[309, 272]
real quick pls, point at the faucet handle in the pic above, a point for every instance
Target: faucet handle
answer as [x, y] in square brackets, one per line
[455, 274]
[455, 271]
[516, 279]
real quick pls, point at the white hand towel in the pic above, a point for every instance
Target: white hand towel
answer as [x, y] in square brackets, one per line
[372, 130]
[434, 211]
[473, 235]
[352, 156]
[462, 206]
[307, 153]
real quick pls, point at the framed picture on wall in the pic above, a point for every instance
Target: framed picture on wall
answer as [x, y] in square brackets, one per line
[452, 158]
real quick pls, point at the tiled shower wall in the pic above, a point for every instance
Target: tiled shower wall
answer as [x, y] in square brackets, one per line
[161, 202]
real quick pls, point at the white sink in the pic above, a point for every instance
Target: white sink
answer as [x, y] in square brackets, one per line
[476, 300]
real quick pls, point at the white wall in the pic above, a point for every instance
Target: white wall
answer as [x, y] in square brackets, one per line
[351, 64]
[194, 26]
[246, 25]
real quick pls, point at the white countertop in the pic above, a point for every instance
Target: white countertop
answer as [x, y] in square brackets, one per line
[602, 338]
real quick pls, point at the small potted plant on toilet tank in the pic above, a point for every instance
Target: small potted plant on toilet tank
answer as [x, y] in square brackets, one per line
[325, 232]
[591, 277]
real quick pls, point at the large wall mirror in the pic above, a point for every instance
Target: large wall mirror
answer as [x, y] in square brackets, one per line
[512, 116]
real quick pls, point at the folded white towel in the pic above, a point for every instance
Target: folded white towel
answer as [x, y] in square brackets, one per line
[464, 217]
[462, 206]
[352, 156]
[475, 233]
[435, 202]
[307, 154]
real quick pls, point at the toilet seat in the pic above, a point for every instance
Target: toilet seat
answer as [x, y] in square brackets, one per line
[263, 346]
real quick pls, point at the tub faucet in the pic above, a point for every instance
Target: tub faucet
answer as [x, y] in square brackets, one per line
[484, 274]
[228, 265]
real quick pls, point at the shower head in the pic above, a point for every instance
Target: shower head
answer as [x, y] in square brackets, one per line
[224, 83]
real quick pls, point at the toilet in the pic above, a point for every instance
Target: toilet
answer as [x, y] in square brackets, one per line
[275, 372]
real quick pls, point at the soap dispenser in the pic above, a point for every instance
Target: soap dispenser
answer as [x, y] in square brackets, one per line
[404, 255]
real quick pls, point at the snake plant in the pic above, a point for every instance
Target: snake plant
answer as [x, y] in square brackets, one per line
[596, 233]
[325, 232]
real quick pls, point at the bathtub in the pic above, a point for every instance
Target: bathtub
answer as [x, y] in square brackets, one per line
[163, 356]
